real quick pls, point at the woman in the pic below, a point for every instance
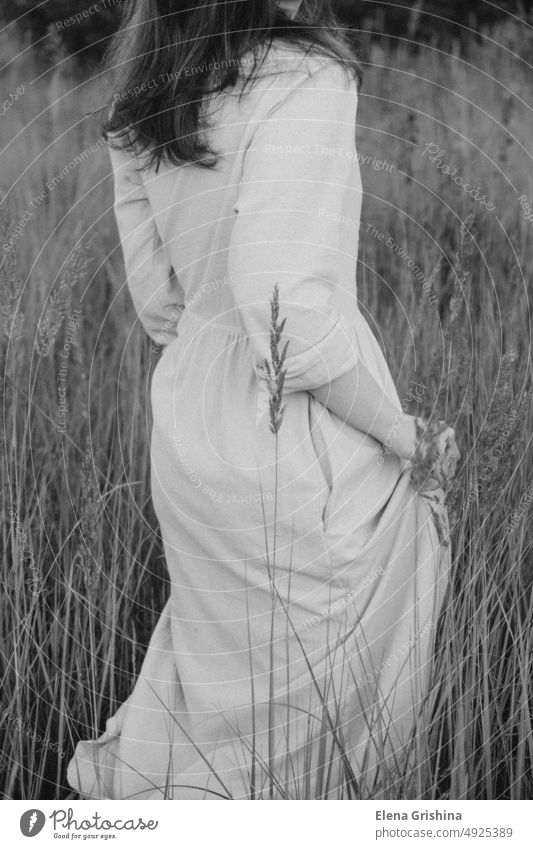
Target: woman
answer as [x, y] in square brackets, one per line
[306, 570]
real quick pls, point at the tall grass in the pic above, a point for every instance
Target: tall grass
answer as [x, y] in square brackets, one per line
[83, 576]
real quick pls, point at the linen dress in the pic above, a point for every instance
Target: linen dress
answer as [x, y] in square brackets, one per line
[306, 572]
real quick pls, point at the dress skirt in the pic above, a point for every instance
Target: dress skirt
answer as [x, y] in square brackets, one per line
[293, 654]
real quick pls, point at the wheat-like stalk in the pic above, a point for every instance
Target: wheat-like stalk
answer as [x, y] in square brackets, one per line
[11, 314]
[59, 303]
[275, 373]
[87, 554]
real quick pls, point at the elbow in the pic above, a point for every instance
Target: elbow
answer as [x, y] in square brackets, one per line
[310, 360]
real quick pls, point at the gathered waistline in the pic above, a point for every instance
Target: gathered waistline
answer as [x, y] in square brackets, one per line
[238, 330]
[208, 322]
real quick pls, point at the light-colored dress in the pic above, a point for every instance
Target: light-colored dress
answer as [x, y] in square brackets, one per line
[237, 692]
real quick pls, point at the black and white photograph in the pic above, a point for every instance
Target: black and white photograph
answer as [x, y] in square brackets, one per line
[266, 270]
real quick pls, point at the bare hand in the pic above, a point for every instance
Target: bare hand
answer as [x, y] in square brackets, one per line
[436, 456]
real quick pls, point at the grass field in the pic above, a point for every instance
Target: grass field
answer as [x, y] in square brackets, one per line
[83, 573]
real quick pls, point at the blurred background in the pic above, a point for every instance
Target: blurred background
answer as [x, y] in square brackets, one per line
[436, 21]
[445, 280]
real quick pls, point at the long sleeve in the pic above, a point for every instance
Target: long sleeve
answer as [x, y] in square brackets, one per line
[298, 173]
[153, 286]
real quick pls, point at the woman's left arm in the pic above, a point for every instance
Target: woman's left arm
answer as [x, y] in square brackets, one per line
[153, 285]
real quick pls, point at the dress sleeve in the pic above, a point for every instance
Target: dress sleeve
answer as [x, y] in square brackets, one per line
[298, 164]
[153, 285]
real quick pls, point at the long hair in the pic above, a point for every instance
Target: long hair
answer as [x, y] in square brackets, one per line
[167, 55]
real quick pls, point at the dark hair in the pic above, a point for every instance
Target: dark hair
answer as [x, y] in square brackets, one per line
[168, 54]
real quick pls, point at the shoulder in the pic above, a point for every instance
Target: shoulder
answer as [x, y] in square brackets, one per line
[294, 61]
[289, 73]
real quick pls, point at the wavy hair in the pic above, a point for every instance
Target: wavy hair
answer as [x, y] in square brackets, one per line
[167, 55]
